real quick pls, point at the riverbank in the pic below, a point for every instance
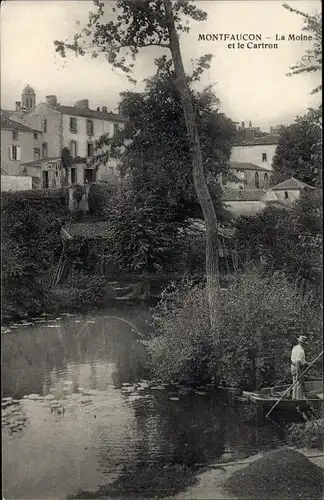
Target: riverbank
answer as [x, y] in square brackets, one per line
[212, 483]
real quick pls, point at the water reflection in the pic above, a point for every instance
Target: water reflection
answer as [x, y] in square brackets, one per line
[92, 421]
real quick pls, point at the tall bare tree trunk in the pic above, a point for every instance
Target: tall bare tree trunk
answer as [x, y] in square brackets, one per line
[203, 194]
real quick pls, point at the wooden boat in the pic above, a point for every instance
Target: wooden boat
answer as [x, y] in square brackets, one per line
[267, 397]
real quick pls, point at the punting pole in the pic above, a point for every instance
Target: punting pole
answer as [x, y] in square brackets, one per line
[292, 385]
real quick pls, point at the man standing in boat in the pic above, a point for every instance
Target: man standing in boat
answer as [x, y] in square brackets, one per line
[298, 364]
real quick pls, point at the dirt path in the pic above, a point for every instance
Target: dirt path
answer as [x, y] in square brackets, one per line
[211, 482]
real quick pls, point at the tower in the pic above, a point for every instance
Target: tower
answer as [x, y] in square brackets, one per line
[28, 99]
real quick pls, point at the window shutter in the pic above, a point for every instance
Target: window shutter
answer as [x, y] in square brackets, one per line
[10, 152]
[18, 152]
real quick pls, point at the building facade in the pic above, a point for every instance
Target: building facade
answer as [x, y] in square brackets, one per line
[290, 189]
[18, 143]
[74, 127]
[247, 176]
[260, 154]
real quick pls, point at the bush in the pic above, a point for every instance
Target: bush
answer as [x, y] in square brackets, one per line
[181, 349]
[309, 434]
[30, 245]
[85, 293]
[260, 320]
[100, 198]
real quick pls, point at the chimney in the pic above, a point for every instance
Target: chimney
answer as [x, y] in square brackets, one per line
[51, 100]
[98, 108]
[83, 103]
[250, 124]
[104, 109]
[18, 106]
[242, 125]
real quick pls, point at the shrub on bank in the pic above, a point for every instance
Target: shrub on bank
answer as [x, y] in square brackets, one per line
[259, 323]
[181, 349]
[86, 292]
[309, 434]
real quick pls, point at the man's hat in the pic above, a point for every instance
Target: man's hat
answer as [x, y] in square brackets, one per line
[301, 338]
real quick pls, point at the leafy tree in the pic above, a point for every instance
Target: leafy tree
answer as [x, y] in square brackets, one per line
[288, 240]
[143, 238]
[137, 24]
[312, 60]
[153, 147]
[299, 150]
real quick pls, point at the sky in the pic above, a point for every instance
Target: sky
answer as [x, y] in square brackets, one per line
[251, 84]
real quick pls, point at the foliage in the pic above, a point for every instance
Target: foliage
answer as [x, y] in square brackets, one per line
[132, 26]
[66, 161]
[259, 323]
[85, 293]
[261, 319]
[101, 198]
[153, 147]
[143, 239]
[309, 434]
[289, 240]
[312, 59]
[180, 350]
[30, 245]
[78, 193]
[299, 150]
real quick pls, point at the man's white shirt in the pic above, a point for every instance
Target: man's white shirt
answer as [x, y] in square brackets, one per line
[298, 354]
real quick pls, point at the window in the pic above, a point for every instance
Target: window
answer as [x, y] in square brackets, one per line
[224, 179]
[89, 175]
[286, 195]
[73, 175]
[14, 153]
[256, 180]
[73, 125]
[15, 135]
[73, 149]
[35, 136]
[116, 128]
[45, 179]
[90, 129]
[90, 149]
[45, 126]
[36, 154]
[266, 180]
[264, 156]
[111, 170]
[44, 150]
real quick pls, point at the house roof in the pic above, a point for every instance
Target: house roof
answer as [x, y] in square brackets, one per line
[242, 165]
[87, 113]
[243, 194]
[35, 163]
[87, 230]
[7, 112]
[291, 183]
[8, 124]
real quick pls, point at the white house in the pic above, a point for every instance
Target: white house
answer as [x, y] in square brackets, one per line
[290, 189]
[260, 153]
[76, 127]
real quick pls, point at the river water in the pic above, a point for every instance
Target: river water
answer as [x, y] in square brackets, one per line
[83, 414]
